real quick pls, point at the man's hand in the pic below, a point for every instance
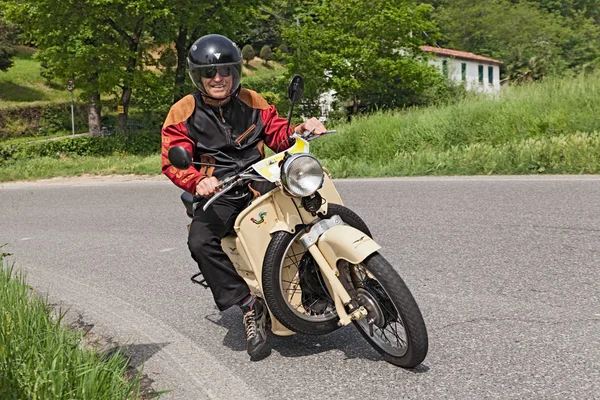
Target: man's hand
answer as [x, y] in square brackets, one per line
[312, 125]
[207, 186]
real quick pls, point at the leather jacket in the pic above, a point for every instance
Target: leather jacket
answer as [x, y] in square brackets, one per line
[231, 135]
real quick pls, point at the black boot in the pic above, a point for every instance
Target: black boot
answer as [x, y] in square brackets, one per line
[255, 322]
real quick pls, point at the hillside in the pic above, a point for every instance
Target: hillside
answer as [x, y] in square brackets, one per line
[23, 84]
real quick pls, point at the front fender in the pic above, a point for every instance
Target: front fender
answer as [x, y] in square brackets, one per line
[343, 242]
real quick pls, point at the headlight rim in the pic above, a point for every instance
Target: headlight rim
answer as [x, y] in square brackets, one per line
[285, 167]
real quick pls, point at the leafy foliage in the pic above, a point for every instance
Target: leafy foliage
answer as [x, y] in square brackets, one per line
[363, 51]
[8, 42]
[533, 38]
[39, 120]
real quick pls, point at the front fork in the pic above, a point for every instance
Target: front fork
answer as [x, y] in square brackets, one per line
[347, 309]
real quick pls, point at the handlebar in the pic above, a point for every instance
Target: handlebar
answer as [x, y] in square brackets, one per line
[309, 135]
[229, 183]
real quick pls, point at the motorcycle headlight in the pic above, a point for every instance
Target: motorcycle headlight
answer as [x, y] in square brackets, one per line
[302, 175]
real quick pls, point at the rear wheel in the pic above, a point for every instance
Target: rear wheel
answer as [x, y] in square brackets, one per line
[394, 325]
[293, 286]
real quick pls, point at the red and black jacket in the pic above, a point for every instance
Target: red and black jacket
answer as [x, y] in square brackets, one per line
[232, 135]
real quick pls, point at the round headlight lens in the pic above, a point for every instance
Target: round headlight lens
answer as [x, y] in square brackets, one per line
[302, 175]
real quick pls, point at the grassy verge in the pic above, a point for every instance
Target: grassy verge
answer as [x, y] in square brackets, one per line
[41, 360]
[549, 127]
[555, 108]
[46, 167]
[564, 154]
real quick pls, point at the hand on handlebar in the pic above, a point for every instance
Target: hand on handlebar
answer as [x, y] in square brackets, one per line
[208, 186]
[312, 125]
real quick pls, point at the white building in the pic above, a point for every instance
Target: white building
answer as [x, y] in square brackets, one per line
[480, 74]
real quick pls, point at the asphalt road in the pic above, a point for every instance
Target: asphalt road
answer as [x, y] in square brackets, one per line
[506, 271]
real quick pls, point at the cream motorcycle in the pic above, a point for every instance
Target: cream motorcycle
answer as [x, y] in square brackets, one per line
[313, 260]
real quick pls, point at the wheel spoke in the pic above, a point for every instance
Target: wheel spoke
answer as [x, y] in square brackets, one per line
[394, 332]
[389, 337]
[291, 286]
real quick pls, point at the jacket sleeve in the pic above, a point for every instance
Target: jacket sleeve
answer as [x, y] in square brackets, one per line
[275, 129]
[174, 133]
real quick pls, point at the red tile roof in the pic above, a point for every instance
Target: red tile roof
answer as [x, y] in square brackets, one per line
[458, 54]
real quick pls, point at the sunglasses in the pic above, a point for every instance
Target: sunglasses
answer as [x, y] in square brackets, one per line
[212, 71]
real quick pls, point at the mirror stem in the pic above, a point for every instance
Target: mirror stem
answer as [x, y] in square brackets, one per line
[290, 116]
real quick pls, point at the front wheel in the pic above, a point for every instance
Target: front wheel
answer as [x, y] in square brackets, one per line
[394, 325]
[293, 287]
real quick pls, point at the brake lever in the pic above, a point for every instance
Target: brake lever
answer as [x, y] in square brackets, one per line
[220, 193]
[309, 135]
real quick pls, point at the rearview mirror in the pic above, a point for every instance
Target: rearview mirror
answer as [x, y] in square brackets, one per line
[180, 157]
[296, 88]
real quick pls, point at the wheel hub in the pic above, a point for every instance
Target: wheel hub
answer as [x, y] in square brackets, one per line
[368, 301]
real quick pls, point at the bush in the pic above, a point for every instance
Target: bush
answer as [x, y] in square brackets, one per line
[272, 86]
[40, 120]
[266, 54]
[271, 82]
[248, 53]
[134, 143]
[152, 95]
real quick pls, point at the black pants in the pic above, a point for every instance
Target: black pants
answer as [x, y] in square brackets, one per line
[204, 240]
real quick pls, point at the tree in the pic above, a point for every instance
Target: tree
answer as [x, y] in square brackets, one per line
[560, 34]
[264, 24]
[266, 54]
[99, 43]
[248, 53]
[188, 20]
[363, 50]
[8, 42]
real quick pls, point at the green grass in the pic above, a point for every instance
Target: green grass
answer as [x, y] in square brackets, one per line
[477, 135]
[576, 153]
[45, 167]
[22, 84]
[30, 139]
[41, 360]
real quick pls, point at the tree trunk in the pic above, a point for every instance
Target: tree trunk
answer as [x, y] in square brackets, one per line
[122, 122]
[355, 105]
[136, 51]
[180, 70]
[94, 115]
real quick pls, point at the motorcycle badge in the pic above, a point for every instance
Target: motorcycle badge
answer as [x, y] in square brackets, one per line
[261, 216]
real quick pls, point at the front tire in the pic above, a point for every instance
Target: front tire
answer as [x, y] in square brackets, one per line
[394, 325]
[284, 260]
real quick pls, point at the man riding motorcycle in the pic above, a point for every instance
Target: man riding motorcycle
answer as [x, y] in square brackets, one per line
[224, 127]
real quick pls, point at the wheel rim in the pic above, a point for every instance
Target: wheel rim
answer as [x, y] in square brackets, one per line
[291, 291]
[383, 323]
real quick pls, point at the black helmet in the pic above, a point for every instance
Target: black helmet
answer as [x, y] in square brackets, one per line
[212, 53]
